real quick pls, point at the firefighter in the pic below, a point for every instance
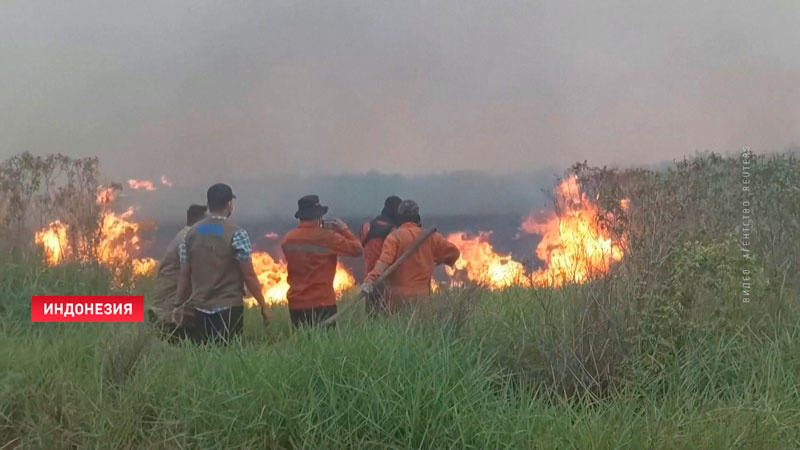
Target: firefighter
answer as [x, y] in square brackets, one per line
[166, 284]
[373, 234]
[412, 279]
[216, 264]
[311, 251]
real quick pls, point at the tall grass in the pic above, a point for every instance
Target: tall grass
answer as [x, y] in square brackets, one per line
[495, 371]
[660, 354]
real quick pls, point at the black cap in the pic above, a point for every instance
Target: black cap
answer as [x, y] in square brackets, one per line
[392, 202]
[308, 208]
[218, 195]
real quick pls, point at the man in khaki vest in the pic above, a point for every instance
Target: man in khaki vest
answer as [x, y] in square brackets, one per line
[215, 258]
[166, 284]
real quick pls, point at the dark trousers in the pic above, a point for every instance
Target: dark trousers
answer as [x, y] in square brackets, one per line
[312, 316]
[167, 330]
[219, 327]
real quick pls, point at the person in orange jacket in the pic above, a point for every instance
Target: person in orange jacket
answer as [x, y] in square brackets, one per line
[412, 279]
[311, 251]
[373, 233]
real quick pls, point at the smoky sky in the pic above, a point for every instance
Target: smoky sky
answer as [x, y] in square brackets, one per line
[226, 89]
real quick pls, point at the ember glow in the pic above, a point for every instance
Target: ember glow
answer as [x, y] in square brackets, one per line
[114, 245]
[165, 181]
[144, 185]
[575, 247]
[273, 276]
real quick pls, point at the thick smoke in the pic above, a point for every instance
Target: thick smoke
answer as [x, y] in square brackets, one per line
[249, 92]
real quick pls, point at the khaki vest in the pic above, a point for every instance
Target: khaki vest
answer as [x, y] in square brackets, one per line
[217, 280]
[166, 284]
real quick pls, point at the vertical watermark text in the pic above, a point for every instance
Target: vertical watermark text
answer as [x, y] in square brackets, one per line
[747, 222]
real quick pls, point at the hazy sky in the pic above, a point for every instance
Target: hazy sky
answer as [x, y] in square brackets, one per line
[221, 89]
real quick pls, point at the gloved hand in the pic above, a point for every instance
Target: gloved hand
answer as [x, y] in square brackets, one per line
[366, 289]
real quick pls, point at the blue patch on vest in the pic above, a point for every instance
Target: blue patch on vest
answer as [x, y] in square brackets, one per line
[209, 229]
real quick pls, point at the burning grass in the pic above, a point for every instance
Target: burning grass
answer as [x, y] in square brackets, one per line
[659, 352]
[576, 246]
[113, 244]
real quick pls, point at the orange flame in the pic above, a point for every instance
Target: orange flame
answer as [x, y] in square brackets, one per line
[105, 196]
[53, 240]
[273, 278]
[141, 184]
[574, 245]
[483, 265]
[117, 241]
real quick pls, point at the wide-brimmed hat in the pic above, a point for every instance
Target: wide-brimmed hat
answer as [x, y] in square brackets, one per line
[308, 208]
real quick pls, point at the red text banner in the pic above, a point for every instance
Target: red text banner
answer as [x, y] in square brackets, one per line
[87, 308]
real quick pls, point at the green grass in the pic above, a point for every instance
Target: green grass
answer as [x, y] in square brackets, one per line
[474, 371]
[660, 354]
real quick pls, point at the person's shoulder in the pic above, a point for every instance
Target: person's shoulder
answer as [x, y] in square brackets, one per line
[397, 233]
[181, 235]
[293, 234]
[187, 231]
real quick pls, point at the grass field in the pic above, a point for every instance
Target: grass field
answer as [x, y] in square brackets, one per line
[660, 354]
[494, 371]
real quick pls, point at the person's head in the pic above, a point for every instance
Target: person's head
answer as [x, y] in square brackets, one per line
[408, 211]
[390, 207]
[194, 214]
[308, 208]
[220, 200]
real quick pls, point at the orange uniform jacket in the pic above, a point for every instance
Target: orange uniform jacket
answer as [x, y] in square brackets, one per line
[413, 277]
[311, 254]
[374, 243]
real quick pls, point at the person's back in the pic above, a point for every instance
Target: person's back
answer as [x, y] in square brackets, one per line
[311, 253]
[412, 278]
[216, 264]
[373, 233]
[217, 281]
[169, 267]
[166, 283]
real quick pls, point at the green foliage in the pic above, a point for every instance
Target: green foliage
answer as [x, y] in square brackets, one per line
[663, 353]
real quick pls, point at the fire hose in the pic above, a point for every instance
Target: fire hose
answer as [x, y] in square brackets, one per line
[389, 270]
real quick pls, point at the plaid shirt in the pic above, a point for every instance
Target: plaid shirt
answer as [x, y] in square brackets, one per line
[240, 243]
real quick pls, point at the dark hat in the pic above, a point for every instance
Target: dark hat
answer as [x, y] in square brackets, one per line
[392, 202]
[408, 208]
[219, 194]
[308, 208]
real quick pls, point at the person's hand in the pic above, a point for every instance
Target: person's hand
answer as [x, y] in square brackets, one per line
[366, 289]
[338, 224]
[266, 314]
